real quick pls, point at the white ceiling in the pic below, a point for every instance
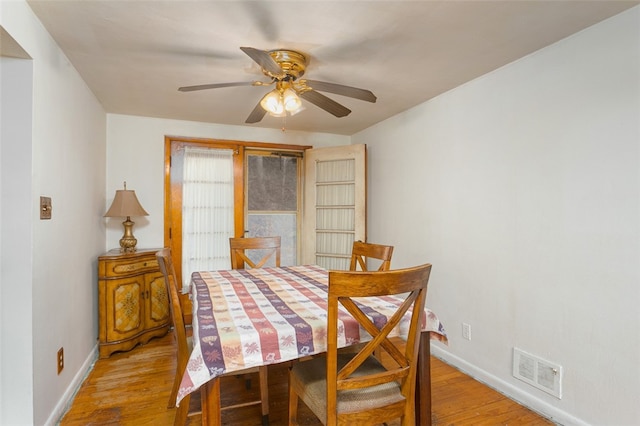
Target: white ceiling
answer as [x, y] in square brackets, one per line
[135, 54]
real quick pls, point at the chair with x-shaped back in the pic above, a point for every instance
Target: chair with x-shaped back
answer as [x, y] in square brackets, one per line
[361, 252]
[356, 388]
[245, 251]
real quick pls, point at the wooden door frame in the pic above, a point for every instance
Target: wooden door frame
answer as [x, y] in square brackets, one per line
[173, 194]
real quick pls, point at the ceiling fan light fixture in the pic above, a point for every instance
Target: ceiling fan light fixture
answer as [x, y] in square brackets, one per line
[291, 101]
[279, 102]
[302, 108]
[272, 103]
[284, 68]
[280, 114]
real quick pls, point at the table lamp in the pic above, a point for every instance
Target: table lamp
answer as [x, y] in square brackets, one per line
[126, 204]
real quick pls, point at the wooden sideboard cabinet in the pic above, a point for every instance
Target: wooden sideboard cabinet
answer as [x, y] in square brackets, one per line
[133, 304]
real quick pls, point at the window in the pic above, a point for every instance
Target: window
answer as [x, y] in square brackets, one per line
[273, 199]
[207, 209]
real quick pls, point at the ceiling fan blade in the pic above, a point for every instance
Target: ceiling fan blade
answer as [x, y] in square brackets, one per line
[215, 86]
[339, 89]
[256, 115]
[327, 104]
[265, 60]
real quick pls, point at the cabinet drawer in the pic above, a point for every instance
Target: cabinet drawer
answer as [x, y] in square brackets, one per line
[123, 268]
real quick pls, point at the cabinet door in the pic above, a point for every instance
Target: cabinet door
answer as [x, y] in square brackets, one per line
[125, 308]
[157, 301]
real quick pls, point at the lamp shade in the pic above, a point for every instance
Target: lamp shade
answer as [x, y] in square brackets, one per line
[291, 101]
[282, 100]
[125, 204]
[272, 103]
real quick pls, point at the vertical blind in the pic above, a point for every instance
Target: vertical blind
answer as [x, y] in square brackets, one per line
[207, 210]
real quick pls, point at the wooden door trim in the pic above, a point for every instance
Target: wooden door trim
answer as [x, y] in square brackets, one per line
[174, 195]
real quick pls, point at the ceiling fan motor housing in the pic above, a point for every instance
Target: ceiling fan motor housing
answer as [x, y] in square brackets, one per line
[292, 63]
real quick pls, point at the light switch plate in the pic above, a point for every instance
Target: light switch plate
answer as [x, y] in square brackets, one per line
[45, 208]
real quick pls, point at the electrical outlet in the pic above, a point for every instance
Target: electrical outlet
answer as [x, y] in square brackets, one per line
[60, 360]
[466, 331]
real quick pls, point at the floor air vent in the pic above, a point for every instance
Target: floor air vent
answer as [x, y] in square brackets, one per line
[538, 372]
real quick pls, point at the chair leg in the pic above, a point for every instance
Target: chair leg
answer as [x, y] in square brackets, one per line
[182, 412]
[181, 366]
[264, 393]
[293, 403]
[174, 391]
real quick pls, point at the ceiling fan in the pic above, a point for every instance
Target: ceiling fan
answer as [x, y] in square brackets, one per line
[284, 68]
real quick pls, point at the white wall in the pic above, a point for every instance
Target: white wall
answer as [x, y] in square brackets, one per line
[135, 154]
[16, 234]
[57, 296]
[523, 189]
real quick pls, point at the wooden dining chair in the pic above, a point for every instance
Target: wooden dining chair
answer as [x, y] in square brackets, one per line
[357, 388]
[361, 252]
[244, 250]
[185, 346]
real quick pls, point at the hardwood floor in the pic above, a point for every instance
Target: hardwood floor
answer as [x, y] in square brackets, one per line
[132, 388]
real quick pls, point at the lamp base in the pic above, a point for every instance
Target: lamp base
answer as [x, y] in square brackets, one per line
[128, 241]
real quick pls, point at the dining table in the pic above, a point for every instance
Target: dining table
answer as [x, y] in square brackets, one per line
[244, 318]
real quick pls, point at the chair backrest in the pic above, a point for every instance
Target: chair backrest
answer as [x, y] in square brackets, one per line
[410, 285]
[363, 251]
[265, 247]
[165, 263]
